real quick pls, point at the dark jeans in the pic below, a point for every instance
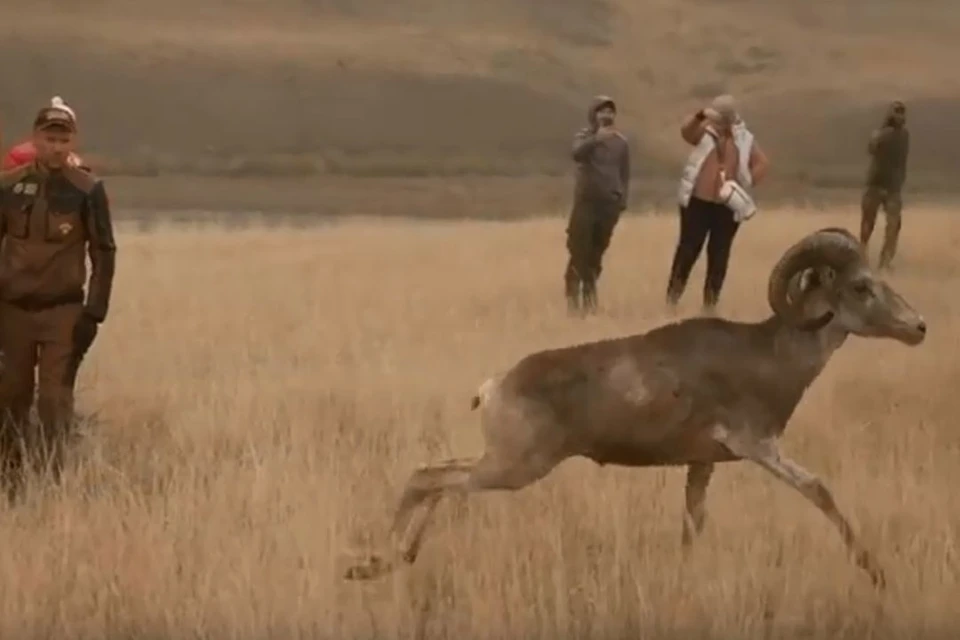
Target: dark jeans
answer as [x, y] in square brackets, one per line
[702, 221]
[589, 231]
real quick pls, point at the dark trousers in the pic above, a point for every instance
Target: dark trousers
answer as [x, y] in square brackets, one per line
[40, 352]
[892, 202]
[702, 221]
[589, 231]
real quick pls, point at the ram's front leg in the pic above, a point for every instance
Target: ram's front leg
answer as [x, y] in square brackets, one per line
[695, 511]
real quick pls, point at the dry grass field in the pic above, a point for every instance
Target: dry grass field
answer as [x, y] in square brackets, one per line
[260, 396]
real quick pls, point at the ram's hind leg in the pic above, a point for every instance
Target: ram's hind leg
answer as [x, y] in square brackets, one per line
[420, 498]
[427, 486]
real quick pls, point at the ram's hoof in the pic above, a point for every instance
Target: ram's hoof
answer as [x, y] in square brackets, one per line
[370, 569]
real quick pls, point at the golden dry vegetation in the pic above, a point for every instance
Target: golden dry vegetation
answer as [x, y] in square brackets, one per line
[261, 396]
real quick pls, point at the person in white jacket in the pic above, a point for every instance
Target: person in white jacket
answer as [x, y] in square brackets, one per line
[723, 149]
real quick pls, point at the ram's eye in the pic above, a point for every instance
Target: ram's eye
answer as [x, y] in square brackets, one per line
[861, 288]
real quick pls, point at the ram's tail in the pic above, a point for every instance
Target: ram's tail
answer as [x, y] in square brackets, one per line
[482, 394]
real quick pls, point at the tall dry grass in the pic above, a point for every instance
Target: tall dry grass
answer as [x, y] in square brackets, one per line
[261, 395]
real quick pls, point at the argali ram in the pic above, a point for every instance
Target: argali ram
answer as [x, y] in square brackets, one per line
[695, 392]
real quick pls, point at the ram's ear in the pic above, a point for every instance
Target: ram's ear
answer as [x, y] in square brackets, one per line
[811, 279]
[826, 276]
[807, 280]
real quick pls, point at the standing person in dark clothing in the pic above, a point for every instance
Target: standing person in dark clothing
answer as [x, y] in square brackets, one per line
[723, 149]
[602, 155]
[889, 147]
[53, 216]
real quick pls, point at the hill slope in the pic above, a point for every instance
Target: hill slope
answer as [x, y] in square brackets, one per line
[425, 86]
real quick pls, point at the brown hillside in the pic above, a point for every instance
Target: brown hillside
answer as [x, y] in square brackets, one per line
[424, 86]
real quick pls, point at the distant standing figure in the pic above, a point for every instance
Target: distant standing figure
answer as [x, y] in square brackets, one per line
[602, 156]
[723, 148]
[889, 147]
[53, 217]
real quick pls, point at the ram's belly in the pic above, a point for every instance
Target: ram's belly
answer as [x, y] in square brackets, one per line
[678, 450]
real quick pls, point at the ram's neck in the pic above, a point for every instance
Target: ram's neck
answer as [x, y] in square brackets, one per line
[805, 352]
[790, 362]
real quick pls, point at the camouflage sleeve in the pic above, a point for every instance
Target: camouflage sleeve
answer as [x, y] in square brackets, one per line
[3, 218]
[877, 138]
[7, 179]
[906, 154]
[583, 143]
[872, 143]
[625, 175]
[102, 250]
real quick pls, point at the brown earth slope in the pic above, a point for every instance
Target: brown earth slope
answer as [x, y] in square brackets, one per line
[455, 86]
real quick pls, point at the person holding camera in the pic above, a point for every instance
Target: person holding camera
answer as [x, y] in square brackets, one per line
[725, 157]
[602, 156]
[889, 148]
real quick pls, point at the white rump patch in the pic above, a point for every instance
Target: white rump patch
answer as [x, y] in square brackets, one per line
[485, 391]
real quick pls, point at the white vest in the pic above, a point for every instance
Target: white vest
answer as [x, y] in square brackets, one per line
[744, 141]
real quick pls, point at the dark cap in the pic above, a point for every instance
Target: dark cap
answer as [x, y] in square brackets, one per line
[52, 117]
